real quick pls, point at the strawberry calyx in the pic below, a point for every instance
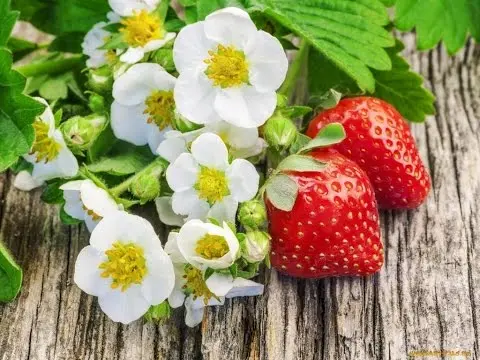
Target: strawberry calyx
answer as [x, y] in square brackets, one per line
[279, 188]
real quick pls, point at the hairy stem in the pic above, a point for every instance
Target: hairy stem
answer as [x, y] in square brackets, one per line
[294, 70]
[50, 67]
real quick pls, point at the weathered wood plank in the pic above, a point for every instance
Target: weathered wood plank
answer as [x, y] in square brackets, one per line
[425, 298]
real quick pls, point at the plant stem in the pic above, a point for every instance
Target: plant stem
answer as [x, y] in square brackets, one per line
[124, 186]
[50, 67]
[294, 70]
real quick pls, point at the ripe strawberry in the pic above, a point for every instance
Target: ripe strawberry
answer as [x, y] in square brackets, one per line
[333, 228]
[379, 140]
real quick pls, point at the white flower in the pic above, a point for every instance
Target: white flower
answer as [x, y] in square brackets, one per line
[228, 69]
[125, 266]
[128, 7]
[165, 212]
[25, 181]
[95, 39]
[202, 293]
[206, 245]
[204, 181]
[143, 109]
[143, 31]
[241, 142]
[87, 202]
[49, 154]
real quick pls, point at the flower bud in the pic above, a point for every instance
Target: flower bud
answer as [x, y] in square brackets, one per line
[252, 214]
[183, 125]
[164, 57]
[280, 132]
[256, 246]
[96, 103]
[81, 132]
[147, 187]
[158, 313]
[100, 80]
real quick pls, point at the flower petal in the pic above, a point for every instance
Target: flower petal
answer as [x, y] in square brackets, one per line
[193, 317]
[87, 274]
[245, 287]
[219, 284]
[188, 236]
[165, 212]
[127, 8]
[171, 248]
[230, 26]
[185, 202]
[171, 148]
[25, 181]
[182, 174]
[157, 44]
[191, 48]
[97, 199]
[132, 55]
[124, 306]
[243, 180]
[155, 136]
[160, 280]
[124, 227]
[224, 210]
[195, 97]
[129, 123]
[209, 150]
[245, 107]
[268, 63]
[234, 136]
[136, 84]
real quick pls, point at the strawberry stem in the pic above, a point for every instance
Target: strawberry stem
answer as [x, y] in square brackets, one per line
[294, 70]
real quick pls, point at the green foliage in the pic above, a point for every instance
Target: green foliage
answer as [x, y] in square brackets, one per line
[301, 163]
[439, 20]
[205, 7]
[11, 276]
[331, 134]
[70, 42]
[16, 115]
[404, 89]
[52, 194]
[282, 192]
[350, 34]
[62, 16]
[20, 47]
[124, 159]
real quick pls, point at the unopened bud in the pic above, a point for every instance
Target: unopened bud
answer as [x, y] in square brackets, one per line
[147, 187]
[100, 80]
[164, 57]
[256, 246]
[96, 103]
[158, 313]
[280, 132]
[81, 132]
[252, 214]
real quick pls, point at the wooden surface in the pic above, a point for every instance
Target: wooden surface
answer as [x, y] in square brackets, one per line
[426, 298]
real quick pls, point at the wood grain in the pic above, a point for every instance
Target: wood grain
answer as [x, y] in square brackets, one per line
[424, 300]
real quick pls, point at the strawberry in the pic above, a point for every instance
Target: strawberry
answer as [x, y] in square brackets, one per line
[379, 140]
[333, 227]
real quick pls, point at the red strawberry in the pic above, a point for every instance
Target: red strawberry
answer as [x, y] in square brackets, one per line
[333, 228]
[379, 140]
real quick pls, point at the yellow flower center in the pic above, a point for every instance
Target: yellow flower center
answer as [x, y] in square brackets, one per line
[227, 67]
[45, 147]
[212, 247]
[111, 56]
[141, 28]
[211, 185]
[195, 285]
[160, 106]
[126, 265]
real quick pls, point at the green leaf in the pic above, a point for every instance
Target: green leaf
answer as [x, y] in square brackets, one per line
[11, 276]
[282, 192]
[52, 194]
[69, 42]
[131, 160]
[404, 89]
[17, 113]
[54, 89]
[449, 21]
[331, 134]
[20, 47]
[7, 21]
[388, 3]
[21, 165]
[296, 111]
[299, 143]
[115, 42]
[102, 145]
[67, 219]
[301, 163]
[206, 7]
[348, 33]
[62, 16]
